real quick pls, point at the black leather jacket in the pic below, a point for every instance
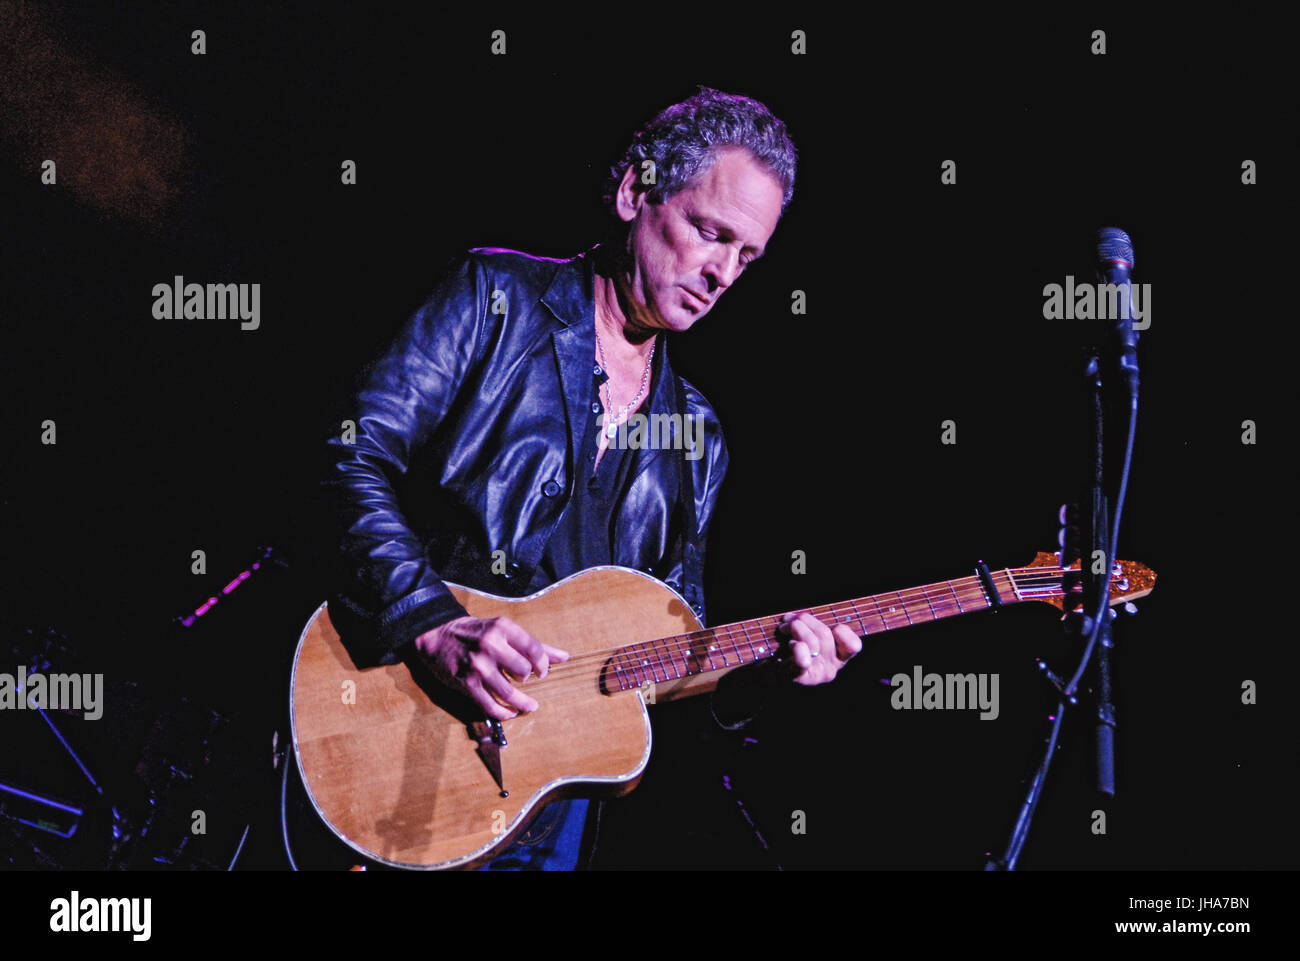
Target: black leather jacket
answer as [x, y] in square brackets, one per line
[466, 433]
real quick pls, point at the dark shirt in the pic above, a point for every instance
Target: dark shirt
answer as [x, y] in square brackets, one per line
[584, 537]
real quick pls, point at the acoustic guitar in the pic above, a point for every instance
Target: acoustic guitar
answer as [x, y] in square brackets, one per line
[409, 774]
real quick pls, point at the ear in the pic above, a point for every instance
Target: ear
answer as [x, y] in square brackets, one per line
[627, 199]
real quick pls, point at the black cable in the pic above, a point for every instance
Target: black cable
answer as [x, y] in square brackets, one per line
[239, 850]
[284, 815]
[1104, 606]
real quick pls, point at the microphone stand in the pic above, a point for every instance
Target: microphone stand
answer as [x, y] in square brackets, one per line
[1097, 628]
[1094, 585]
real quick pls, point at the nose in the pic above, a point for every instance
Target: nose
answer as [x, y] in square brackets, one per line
[722, 271]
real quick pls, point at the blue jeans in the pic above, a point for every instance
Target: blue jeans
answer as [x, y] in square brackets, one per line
[550, 843]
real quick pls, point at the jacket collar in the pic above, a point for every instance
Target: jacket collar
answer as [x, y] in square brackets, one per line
[571, 298]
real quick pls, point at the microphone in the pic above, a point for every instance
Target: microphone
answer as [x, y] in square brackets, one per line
[1115, 262]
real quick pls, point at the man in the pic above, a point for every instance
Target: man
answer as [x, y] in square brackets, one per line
[484, 453]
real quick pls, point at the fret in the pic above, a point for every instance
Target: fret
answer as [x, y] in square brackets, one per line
[934, 596]
[840, 617]
[672, 662]
[639, 673]
[691, 656]
[892, 610]
[884, 625]
[925, 594]
[736, 652]
[745, 642]
[709, 647]
[630, 669]
[852, 617]
[645, 664]
[660, 663]
[955, 596]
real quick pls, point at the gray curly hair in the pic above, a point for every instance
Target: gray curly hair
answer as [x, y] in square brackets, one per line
[682, 142]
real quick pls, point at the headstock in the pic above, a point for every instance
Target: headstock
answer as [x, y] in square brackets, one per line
[1129, 580]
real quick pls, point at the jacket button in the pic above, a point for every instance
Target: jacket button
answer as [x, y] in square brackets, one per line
[595, 407]
[550, 488]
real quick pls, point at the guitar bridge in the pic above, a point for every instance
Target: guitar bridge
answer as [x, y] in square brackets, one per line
[491, 737]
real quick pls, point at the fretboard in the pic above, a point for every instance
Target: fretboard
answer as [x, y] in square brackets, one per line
[744, 642]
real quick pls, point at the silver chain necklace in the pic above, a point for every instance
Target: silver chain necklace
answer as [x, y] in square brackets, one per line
[612, 427]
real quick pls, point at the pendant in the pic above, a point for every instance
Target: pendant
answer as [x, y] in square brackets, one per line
[611, 431]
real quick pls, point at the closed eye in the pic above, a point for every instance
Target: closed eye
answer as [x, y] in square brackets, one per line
[711, 235]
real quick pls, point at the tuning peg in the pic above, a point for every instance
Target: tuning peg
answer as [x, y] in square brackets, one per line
[1067, 537]
[1130, 607]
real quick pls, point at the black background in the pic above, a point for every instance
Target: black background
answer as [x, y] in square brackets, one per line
[924, 304]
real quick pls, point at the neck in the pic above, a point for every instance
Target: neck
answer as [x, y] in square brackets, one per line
[731, 645]
[618, 319]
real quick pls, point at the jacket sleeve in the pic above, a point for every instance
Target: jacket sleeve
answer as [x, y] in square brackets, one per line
[684, 571]
[717, 472]
[384, 592]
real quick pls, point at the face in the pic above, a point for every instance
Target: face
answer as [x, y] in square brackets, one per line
[687, 251]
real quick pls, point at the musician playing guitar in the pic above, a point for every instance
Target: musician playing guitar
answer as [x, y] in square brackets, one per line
[487, 450]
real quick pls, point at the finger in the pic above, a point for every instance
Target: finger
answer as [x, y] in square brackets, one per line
[557, 654]
[847, 642]
[485, 700]
[527, 645]
[507, 693]
[801, 655]
[808, 637]
[818, 627]
[507, 658]
[813, 671]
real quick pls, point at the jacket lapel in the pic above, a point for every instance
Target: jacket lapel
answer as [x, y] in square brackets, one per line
[570, 298]
[661, 402]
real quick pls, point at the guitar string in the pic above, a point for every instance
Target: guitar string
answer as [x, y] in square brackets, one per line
[666, 651]
[664, 658]
[855, 609]
[741, 629]
[726, 633]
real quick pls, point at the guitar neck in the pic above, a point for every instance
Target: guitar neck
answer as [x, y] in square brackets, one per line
[729, 646]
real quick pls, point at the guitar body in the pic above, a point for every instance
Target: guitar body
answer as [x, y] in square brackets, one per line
[392, 761]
